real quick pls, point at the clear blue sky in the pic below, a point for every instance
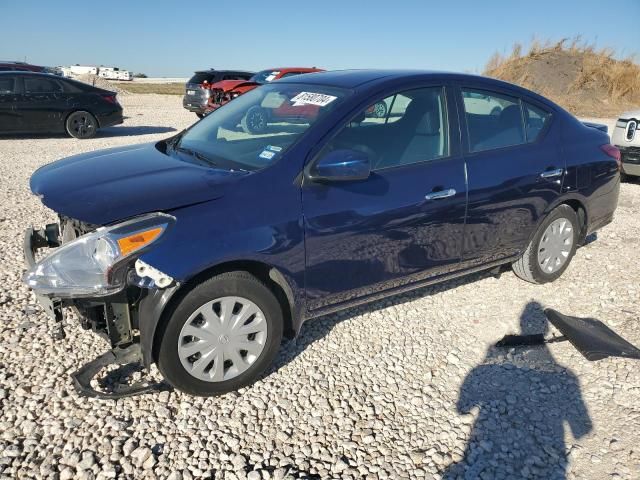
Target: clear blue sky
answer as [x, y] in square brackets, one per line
[172, 38]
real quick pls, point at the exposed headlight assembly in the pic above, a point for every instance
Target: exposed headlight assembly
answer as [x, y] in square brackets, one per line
[96, 264]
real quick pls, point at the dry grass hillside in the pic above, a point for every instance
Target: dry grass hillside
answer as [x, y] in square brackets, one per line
[584, 80]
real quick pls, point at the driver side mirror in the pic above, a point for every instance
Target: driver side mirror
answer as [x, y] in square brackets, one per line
[342, 165]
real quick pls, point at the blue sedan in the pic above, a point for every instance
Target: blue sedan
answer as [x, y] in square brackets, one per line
[200, 252]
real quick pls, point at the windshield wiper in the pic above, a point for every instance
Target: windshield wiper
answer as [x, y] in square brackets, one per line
[173, 141]
[197, 155]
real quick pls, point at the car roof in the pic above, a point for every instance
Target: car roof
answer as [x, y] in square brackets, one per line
[292, 69]
[29, 72]
[352, 79]
[214, 71]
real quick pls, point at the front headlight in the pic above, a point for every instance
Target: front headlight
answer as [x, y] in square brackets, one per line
[96, 264]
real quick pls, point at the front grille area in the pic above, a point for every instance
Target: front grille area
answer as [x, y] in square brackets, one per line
[71, 228]
[630, 154]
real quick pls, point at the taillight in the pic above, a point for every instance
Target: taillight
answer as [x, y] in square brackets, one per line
[613, 152]
[110, 98]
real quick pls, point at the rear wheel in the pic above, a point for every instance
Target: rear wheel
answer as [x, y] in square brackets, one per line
[380, 110]
[551, 249]
[221, 336]
[81, 125]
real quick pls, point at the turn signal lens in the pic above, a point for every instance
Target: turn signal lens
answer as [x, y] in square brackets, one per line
[138, 240]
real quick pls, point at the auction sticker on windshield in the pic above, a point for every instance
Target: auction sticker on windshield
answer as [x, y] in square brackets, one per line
[310, 98]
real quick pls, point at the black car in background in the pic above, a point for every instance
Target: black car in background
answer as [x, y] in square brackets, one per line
[197, 93]
[44, 103]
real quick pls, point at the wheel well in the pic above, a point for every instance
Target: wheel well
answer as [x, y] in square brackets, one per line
[259, 270]
[581, 212]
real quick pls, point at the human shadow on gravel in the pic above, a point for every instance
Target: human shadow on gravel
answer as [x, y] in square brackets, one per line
[519, 431]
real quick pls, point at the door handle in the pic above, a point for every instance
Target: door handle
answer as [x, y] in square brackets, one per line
[449, 192]
[552, 173]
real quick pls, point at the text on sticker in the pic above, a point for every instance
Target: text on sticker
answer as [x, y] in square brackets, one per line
[310, 98]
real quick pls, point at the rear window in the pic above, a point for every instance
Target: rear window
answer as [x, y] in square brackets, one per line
[493, 120]
[41, 85]
[7, 85]
[535, 121]
[201, 77]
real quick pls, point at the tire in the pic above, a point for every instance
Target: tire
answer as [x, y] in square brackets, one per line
[530, 267]
[255, 120]
[380, 110]
[81, 125]
[201, 115]
[175, 341]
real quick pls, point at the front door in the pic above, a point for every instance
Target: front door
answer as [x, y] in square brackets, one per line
[514, 170]
[42, 104]
[402, 224]
[9, 121]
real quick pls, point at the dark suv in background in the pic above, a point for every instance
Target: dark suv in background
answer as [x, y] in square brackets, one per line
[197, 92]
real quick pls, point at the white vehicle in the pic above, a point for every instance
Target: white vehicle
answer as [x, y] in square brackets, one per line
[114, 73]
[626, 137]
[480, 104]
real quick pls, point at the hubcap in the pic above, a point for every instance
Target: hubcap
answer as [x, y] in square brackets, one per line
[222, 339]
[82, 125]
[555, 245]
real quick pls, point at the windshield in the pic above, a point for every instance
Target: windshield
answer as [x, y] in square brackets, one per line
[256, 129]
[201, 77]
[265, 76]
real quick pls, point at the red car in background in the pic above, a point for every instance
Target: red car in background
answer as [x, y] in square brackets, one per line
[226, 90]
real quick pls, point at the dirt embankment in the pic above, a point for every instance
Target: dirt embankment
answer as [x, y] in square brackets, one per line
[584, 80]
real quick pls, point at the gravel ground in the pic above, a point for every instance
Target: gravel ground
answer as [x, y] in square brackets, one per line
[410, 387]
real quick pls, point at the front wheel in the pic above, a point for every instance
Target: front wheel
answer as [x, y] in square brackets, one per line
[81, 125]
[221, 336]
[551, 249]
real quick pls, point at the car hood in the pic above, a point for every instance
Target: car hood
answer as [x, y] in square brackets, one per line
[114, 184]
[228, 85]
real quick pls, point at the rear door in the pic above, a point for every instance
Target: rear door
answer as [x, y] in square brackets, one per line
[405, 222]
[514, 167]
[9, 121]
[42, 104]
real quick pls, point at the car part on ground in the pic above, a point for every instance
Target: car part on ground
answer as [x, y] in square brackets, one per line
[390, 205]
[592, 338]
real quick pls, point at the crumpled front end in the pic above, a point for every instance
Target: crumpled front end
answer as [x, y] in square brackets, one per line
[97, 271]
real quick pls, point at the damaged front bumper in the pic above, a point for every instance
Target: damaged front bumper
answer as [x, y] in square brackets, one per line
[115, 318]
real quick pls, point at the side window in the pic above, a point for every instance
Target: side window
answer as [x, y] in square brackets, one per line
[535, 120]
[493, 120]
[406, 128]
[289, 74]
[41, 85]
[7, 85]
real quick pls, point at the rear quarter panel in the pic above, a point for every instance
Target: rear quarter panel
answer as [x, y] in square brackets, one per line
[592, 176]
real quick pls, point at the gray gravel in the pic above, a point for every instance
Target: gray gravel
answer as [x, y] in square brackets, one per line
[406, 388]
